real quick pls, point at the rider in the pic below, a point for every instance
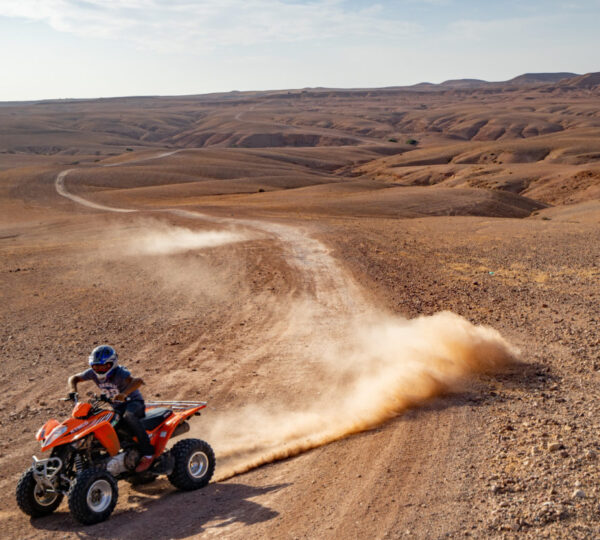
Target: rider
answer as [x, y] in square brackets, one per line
[118, 384]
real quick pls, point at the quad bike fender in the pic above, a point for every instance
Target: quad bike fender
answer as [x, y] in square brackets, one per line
[161, 435]
[107, 436]
[77, 429]
[46, 429]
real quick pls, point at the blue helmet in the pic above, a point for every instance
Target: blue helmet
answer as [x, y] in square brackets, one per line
[103, 360]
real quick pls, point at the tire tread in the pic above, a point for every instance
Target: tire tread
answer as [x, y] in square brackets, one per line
[181, 452]
[25, 500]
[78, 495]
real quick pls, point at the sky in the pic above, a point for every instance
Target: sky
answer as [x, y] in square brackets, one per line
[101, 48]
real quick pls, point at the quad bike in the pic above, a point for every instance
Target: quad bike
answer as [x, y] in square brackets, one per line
[91, 451]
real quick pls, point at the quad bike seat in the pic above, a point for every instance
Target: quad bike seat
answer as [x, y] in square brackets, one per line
[154, 417]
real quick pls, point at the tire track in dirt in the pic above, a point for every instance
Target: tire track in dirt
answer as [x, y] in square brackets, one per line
[59, 184]
[61, 190]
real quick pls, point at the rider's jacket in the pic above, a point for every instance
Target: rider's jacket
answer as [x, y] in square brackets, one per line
[113, 384]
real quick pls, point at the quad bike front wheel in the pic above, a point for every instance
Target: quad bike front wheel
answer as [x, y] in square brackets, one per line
[34, 500]
[194, 464]
[93, 496]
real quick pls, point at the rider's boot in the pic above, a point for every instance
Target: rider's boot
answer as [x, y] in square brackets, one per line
[144, 464]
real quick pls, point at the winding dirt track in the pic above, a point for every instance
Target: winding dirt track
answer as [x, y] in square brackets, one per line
[332, 288]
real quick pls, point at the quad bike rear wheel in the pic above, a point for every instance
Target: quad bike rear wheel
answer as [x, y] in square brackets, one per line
[34, 500]
[93, 496]
[194, 464]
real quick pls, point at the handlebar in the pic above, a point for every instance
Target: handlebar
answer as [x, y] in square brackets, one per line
[74, 397]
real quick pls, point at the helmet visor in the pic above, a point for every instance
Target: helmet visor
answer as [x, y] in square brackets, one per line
[102, 368]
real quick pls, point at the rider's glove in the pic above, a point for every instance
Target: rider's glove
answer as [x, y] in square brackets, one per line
[73, 396]
[104, 397]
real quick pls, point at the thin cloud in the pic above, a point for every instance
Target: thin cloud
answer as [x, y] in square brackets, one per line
[485, 30]
[196, 26]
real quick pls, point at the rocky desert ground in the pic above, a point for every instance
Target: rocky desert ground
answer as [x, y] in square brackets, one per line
[388, 297]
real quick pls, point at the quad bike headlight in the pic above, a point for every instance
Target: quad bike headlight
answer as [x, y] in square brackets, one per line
[55, 434]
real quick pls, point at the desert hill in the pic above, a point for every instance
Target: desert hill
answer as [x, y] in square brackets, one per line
[525, 141]
[464, 83]
[531, 78]
[589, 80]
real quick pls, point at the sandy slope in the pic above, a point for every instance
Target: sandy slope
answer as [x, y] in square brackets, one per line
[215, 323]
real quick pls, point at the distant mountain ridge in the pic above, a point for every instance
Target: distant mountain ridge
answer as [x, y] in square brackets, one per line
[550, 81]
[589, 80]
[528, 78]
[565, 78]
[545, 82]
[462, 83]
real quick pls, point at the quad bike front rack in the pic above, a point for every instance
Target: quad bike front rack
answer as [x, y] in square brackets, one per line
[45, 471]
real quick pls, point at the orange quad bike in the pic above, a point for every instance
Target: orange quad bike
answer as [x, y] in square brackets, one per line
[91, 451]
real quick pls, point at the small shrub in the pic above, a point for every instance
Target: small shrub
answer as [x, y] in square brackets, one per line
[392, 139]
[412, 142]
[129, 149]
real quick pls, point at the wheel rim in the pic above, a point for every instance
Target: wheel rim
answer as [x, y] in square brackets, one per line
[198, 464]
[99, 495]
[44, 497]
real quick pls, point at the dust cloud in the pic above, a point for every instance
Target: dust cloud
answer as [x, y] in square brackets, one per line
[188, 271]
[162, 239]
[335, 364]
[378, 367]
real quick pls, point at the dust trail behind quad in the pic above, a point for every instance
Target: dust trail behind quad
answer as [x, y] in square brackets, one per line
[347, 365]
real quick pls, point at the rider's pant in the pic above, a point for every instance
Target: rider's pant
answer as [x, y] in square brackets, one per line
[132, 412]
